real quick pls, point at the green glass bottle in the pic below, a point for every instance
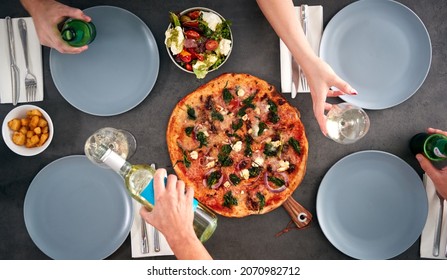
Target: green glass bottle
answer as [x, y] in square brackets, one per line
[433, 146]
[78, 33]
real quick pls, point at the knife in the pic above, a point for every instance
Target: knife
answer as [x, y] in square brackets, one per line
[15, 75]
[295, 78]
[303, 18]
[437, 240]
[144, 238]
[156, 240]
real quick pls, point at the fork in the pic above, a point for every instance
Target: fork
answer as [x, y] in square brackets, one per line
[437, 240]
[303, 80]
[30, 78]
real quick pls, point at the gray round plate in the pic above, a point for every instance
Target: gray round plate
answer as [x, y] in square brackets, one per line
[76, 210]
[117, 72]
[381, 48]
[372, 205]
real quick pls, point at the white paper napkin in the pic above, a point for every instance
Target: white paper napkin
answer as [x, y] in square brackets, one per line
[315, 31]
[428, 233]
[135, 237]
[35, 61]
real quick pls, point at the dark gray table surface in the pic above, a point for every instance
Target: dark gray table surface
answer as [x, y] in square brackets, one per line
[256, 52]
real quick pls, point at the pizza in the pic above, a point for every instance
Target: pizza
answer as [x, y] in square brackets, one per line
[239, 144]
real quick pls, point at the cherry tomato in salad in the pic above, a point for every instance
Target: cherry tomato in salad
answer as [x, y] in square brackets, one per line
[211, 45]
[191, 23]
[191, 34]
[195, 55]
[194, 14]
[185, 56]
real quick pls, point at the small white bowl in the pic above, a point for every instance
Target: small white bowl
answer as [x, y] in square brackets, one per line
[184, 12]
[20, 112]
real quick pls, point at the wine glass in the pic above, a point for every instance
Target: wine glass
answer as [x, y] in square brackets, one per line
[346, 123]
[120, 141]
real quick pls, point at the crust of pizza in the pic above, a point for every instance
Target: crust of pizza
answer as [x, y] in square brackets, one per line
[196, 159]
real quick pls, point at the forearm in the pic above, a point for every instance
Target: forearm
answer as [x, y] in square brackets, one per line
[31, 5]
[281, 16]
[188, 247]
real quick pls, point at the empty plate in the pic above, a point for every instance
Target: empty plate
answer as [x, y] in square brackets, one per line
[381, 48]
[75, 210]
[372, 205]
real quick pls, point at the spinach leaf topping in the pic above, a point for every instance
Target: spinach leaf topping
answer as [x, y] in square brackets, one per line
[217, 116]
[234, 179]
[248, 141]
[226, 94]
[191, 113]
[189, 130]
[229, 200]
[261, 198]
[270, 150]
[213, 178]
[262, 127]
[237, 125]
[277, 181]
[201, 137]
[184, 159]
[224, 156]
[248, 103]
[254, 171]
[295, 145]
[273, 112]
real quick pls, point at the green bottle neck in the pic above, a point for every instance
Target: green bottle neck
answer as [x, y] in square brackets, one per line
[437, 143]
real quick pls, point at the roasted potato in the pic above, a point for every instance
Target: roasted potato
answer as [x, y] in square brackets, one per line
[31, 131]
[34, 112]
[42, 122]
[34, 122]
[14, 124]
[42, 140]
[18, 138]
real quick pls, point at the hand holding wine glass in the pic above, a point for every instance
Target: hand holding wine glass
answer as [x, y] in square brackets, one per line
[346, 123]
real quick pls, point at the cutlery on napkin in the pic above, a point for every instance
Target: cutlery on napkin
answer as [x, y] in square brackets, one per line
[136, 238]
[35, 61]
[162, 248]
[314, 33]
[429, 231]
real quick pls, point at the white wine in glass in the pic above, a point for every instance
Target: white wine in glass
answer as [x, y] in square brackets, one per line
[346, 123]
[122, 142]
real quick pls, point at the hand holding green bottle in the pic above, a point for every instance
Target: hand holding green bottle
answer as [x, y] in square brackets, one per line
[438, 176]
[78, 33]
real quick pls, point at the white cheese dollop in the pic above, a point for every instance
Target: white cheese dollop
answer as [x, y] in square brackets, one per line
[211, 19]
[174, 39]
[245, 174]
[283, 166]
[240, 92]
[194, 155]
[225, 46]
[259, 161]
[237, 147]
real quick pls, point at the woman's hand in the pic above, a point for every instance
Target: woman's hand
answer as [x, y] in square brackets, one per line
[321, 79]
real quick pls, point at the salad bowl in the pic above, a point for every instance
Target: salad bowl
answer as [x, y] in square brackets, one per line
[198, 40]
